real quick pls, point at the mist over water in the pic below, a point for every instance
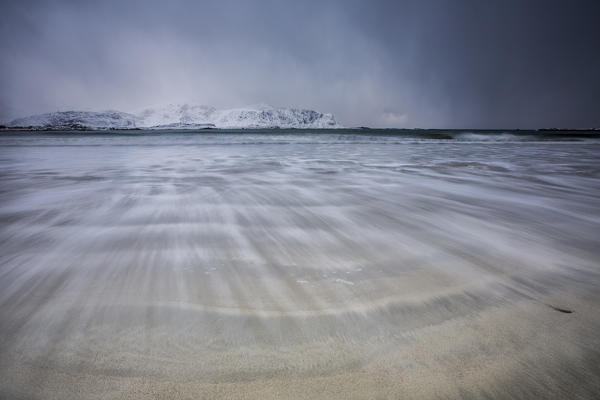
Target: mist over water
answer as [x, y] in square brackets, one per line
[276, 265]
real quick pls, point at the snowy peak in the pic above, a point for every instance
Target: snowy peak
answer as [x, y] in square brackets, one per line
[173, 115]
[78, 120]
[183, 117]
[261, 116]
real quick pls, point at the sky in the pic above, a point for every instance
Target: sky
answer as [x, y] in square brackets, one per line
[408, 64]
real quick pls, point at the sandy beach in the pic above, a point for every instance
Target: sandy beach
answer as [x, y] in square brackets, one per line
[300, 267]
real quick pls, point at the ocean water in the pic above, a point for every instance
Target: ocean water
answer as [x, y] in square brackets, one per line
[299, 264]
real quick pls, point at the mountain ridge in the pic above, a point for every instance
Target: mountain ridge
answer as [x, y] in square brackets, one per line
[184, 116]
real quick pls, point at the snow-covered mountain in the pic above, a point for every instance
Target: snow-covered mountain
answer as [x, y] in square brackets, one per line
[182, 117]
[78, 120]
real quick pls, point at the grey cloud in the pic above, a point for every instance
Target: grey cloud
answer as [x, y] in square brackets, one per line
[379, 63]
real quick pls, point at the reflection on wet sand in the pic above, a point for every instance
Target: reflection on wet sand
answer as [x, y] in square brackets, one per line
[304, 270]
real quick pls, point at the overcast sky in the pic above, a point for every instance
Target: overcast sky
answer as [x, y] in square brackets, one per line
[478, 64]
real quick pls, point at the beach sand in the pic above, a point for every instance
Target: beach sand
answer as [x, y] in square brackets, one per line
[181, 275]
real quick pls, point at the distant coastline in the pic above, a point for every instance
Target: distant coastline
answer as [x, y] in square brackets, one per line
[212, 127]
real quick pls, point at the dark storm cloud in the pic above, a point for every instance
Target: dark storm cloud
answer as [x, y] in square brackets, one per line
[421, 63]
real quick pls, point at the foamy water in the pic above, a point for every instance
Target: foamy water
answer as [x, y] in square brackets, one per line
[287, 265]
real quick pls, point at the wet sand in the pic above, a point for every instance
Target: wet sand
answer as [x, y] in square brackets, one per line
[313, 267]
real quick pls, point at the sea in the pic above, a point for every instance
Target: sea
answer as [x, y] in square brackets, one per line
[345, 263]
